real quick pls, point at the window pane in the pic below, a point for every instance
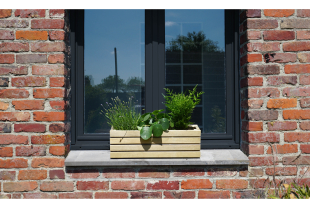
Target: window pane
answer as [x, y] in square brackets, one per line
[195, 55]
[107, 31]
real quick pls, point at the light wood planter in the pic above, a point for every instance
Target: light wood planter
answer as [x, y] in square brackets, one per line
[172, 144]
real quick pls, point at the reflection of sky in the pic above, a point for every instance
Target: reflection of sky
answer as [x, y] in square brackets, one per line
[124, 29]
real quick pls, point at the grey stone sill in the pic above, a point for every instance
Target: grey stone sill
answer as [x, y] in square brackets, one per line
[208, 157]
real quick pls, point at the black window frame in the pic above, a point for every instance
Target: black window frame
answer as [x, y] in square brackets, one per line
[154, 82]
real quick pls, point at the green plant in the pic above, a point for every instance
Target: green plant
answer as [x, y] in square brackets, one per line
[181, 106]
[122, 115]
[154, 123]
[289, 192]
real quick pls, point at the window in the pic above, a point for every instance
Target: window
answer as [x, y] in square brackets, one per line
[137, 53]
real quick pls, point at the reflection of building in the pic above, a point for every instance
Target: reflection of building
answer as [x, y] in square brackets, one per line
[91, 80]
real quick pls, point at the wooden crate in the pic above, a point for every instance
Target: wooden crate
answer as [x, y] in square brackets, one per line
[172, 144]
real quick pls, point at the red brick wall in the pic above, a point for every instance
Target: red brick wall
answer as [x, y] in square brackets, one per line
[35, 123]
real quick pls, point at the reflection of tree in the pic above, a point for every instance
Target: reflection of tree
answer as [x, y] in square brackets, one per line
[134, 84]
[218, 122]
[108, 83]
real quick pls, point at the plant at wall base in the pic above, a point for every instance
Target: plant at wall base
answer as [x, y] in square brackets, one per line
[181, 106]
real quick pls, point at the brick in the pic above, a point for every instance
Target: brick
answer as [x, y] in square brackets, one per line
[16, 196]
[5, 128]
[295, 24]
[303, 35]
[256, 149]
[29, 127]
[5, 196]
[14, 163]
[303, 57]
[283, 149]
[58, 104]
[263, 69]
[304, 80]
[282, 125]
[304, 171]
[7, 175]
[250, 58]
[4, 81]
[48, 93]
[252, 104]
[296, 91]
[48, 139]
[57, 128]
[261, 24]
[296, 114]
[262, 183]
[6, 35]
[305, 125]
[14, 47]
[262, 161]
[179, 194]
[7, 58]
[282, 103]
[39, 196]
[4, 105]
[146, 195]
[279, 12]
[279, 80]
[28, 104]
[30, 81]
[253, 35]
[188, 172]
[49, 116]
[255, 172]
[56, 58]
[57, 81]
[252, 81]
[196, 184]
[47, 24]
[163, 185]
[57, 174]
[30, 13]
[14, 116]
[252, 126]
[32, 174]
[127, 185]
[249, 194]
[57, 13]
[13, 139]
[92, 185]
[221, 172]
[76, 195]
[305, 102]
[297, 136]
[47, 46]
[303, 13]
[263, 115]
[263, 92]
[305, 148]
[6, 151]
[30, 151]
[83, 173]
[48, 70]
[267, 46]
[296, 46]
[280, 57]
[281, 171]
[31, 58]
[4, 13]
[57, 150]
[15, 70]
[14, 93]
[213, 194]
[14, 23]
[47, 162]
[20, 186]
[294, 160]
[57, 35]
[297, 68]
[279, 35]
[118, 173]
[231, 184]
[111, 195]
[153, 173]
[31, 35]
[57, 186]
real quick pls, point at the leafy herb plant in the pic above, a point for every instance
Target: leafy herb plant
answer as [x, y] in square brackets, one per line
[181, 106]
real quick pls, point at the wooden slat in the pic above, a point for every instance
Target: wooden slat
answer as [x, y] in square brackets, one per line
[170, 154]
[155, 140]
[154, 147]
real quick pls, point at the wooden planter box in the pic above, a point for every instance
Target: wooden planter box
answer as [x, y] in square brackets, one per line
[172, 144]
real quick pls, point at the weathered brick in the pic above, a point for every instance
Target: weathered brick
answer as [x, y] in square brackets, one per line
[58, 104]
[83, 173]
[6, 151]
[252, 104]
[213, 194]
[4, 13]
[57, 13]
[296, 91]
[188, 172]
[265, 183]
[196, 184]
[57, 81]
[40, 195]
[303, 13]
[305, 125]
[15, 70]
[47, 93]
[283, 149]
[57, 186]
[279, 12]
[261, 24]
[146, 195]
[281, 171]
[56, 58]
[14, 23]
[14, 163]
[303, 35]
[48, 162]
[295, 23]
[4, 81]
[262, 115]
[256, 149]
[293, 160]
[32, 174]
[252, 81]
[28, 104]
[29, 127]
[118, 173]
[30, 13]
[20, 186]
[111, 195]
[280, 57]
[14, 47]
[282, 103]
[14, 116]
[297, 68]
[279, 35]
[249, 58]
[31, 58]
[258, 47]
[296, 114]
[14, 93]
[7, 175]
[57, 35]
[255, 172]
[231, 184]
[297, 136]
[47, 46]
[282, 125]
[253, 35]
[48, 139]
[6, 35]
[303, 57]
[7, 58]
[30, 81]
[57, 174]
[305, 102]
[13, 139]
[263, 69]
[279, 80]
[57, 150]
[220, 172]
[163, 185]
[252, 126]
[296, 46]
[304, 80]
[127, 185]
[92, 185]
[263, 92]
[305, 148]
[4, 105]
[249, 194]
[30, 151]
[48, 70]
[263, 161]
[49, 116]
[179, 194]
[47, 24]
[57, 127]
[76, 195]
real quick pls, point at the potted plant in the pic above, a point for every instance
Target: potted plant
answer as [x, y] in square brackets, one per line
[156, 134]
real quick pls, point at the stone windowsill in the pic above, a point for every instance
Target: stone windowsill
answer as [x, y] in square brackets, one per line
[208, 157]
